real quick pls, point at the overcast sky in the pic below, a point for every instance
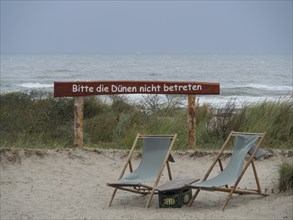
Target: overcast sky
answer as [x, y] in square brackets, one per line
[146, 26]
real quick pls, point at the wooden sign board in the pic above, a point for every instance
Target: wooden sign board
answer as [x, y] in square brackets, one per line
[69, 89]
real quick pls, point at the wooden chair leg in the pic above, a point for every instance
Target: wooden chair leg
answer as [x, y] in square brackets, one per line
[193, 197]
[228, 198]
[113, 194]
[150, 198]
[256, 177]
[169, 171]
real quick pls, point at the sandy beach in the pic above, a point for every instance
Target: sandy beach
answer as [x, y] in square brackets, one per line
[71, 184]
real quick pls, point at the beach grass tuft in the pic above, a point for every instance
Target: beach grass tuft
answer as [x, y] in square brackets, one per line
[285, 176]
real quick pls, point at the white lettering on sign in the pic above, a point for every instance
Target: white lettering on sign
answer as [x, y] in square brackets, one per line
[102, 88]
[151, 88]
[126, 89]
[82, 88]
[146, 88]
[182, 88]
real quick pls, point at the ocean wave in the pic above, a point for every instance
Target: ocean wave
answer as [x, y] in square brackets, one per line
[63, 70]
[35, 85]
[270, 87]
[260, 87]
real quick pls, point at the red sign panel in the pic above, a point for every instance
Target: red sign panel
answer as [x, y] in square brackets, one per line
[68, 89]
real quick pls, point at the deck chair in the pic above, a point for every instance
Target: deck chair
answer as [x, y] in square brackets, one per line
[245, 145]
[156, 154]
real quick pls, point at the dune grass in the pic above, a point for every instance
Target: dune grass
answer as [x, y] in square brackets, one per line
[285, 177]
[36, 119]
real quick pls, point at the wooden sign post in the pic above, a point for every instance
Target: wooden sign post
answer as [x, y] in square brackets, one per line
[78, 120]
[79, 89]
[191, 121]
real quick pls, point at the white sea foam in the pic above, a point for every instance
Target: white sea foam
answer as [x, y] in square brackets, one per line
[260, 86]
[35, 85]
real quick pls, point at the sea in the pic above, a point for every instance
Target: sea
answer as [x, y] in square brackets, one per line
[243, 78]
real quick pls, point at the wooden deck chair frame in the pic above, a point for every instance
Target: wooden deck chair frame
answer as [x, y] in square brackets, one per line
[233, 189]
[142, 188]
